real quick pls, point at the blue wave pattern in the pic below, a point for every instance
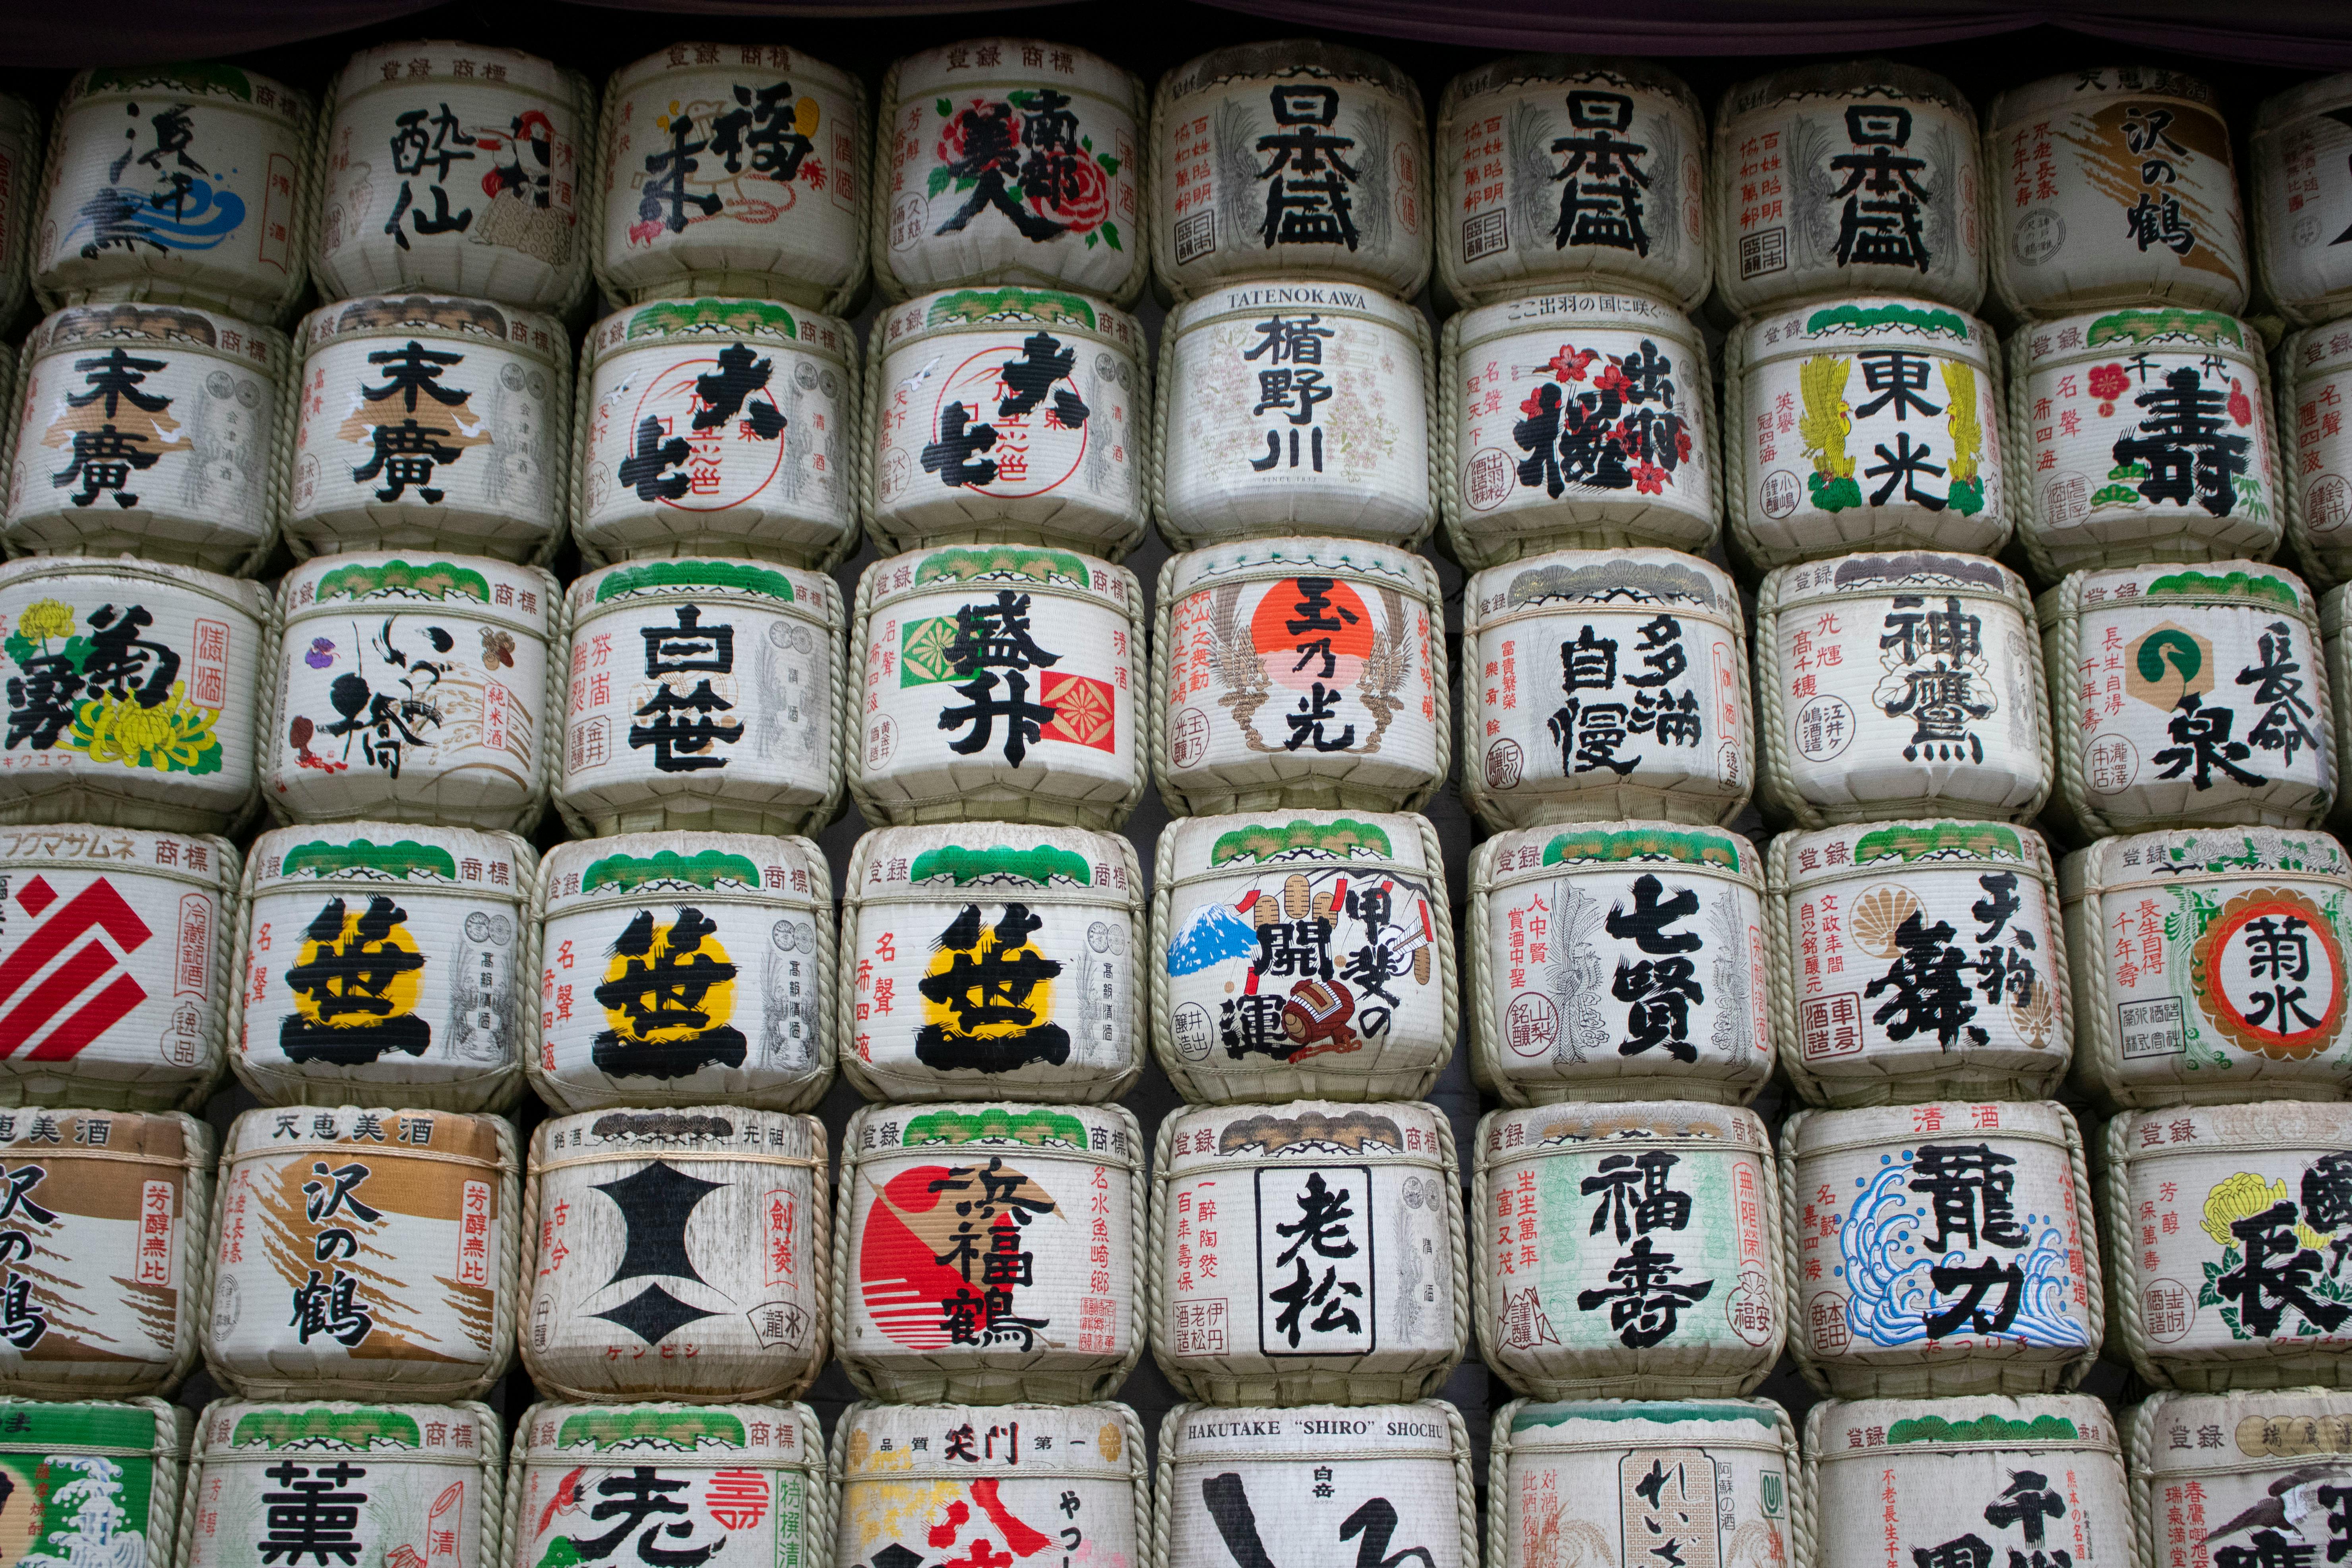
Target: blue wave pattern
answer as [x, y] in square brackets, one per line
[196, 217]
[1889, 1297]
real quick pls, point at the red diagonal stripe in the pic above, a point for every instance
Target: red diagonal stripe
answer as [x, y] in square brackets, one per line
[46, 1000]
[98, 904]
[108, 1009]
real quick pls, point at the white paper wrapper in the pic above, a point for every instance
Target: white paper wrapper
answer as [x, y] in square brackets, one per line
[1628, 1249]
[1901, 685]
[704, 694]
[1619, 961]
[132, 690]
[1007, 414]
[681, 968]
[151, 430]
[417, 1483]
[960, 1478]
[999, 682]
[988, 1251]
[364, 1252]
[1010, 160]
[1296, 406]
[2112, 186]
[456, 167]
[2221, 1227]
[680, 1253]
[126, 1460]
[414, 686]
[1870, 422]
[991, 958]
[1845, 179]
[2214, 1473]
[1608, 685]
[1859, 913]
[721, 424]
[2302, 199]
[1940, 1249]
[2150, 437]
[2209, 965]
[1291, 158]
[2187, 696]
[768, 201]
[431, 423]
[1559, 171]
[385, 961]
[186, 184]
[2314, 378]
[109, 1271]
[1370, 1193]
[1299, 953]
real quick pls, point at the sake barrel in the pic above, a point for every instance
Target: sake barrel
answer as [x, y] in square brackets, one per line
[103, 1224]
[456, 167]
[748, 1481]
[2220, 1222]
[385, 1482]
[999, 685]
[1009, 956]
[1854, 178]
[1302, 952]
[1406, 1482]
[387, 960]
[2151, 439]
[1010, 161]
[732, 169]
[1290, 158]
[431, 423]
[1941, 1248]
[2209, 965]
[151, 430]
[123, 1459]
[2190, 696]
[427, 1198]
[2112, 186]
[721, 1296]
[729, 425]
[1553, 1018]
[1295, 408]
[1352, 632]
[1875, 422]
[1007, 414]
[971, 1473]
[1725, 1471]
[21, 147]
[416, 687]
[1570, 171]
[133, 689]
[137, 1021]
[682, 968]
[2315, 377]
[1659, 1220]
[1583, 419]
[735, 722]
[1908, 684]
[987, 1251]
[1944, 1476]
[2221, 1472]
[1637, 703]
[2300, 156]
[1348, 1244]
[1861, 916]
[183, 184]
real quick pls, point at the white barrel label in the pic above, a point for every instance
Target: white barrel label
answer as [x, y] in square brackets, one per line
[406, 1485]
[1705, 1483]
[671, 1486]
[987, 1486]
[1314, 1484]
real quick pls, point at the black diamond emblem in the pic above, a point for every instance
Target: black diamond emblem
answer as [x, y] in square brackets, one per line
[653, 1314]
[656, 1201]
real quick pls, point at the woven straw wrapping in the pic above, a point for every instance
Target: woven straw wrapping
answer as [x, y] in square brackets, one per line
[19, 122]
[1319, 785]
[2274, 1444]
[1776, 785]
[170, 1507]
[1343, 1077]
[13, 386]
[2332, 620]
[2324, 562]
[1036, 1467]
[1922, 1373]
[1416, 1377]
[984, 1375]
[1505, 1448]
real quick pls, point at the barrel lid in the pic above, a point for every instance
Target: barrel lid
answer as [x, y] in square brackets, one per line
[530, 333]
[2303, 100]
[2213, 582]
[675, 1134]
[1542, 854]
[296, 1132]
[203, 80]
[492, 865]
[1804, 860]
[1281, 58]
[1359, 561]
[1508, 1135]
[1093, 1441]
[1904, 572]
[2054, 94]
[1598, 579]
[697, 58]
[769, 322]
[181, 857]
[943, 68]
[388, 1432]
[785, 1434]
[2276, 1126]
[1987, 1423]
[630, 868]
[156, 1137]
[1561, 71]
[1538, 1424]
[1001, 307]
[2202, 853]
[1106, 1135]
[1868, 78]
[1267, 1434]
[250, 599]
[1589, 310]
[1827, 1131]
[811, 595]
[2268, 1430]
[2105, 334]
[182, 327]
[1021, 568]
[941, 862]
[486, 67]
[1255, 297]
[1869, 320]
[520, 598]
[1249, 843]
[1392, 1131]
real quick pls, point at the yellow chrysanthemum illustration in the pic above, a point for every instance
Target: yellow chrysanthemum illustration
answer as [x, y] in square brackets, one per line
[174, 737]
[2243, 1194]
[47, 618]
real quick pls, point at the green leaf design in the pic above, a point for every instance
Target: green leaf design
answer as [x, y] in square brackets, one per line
[945, 109]
[1091, 239]
[966, 183]
[1109, 164]
[938, 182]
[1110, 233]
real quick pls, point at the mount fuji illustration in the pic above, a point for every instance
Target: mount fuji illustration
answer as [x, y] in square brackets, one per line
[1213, 935]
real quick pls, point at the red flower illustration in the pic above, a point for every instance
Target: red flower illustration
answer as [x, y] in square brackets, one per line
[956, 132]
[1569, 363]
[1650, 480]
[1071, 186]
[2108, 382]
[2242, 408]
